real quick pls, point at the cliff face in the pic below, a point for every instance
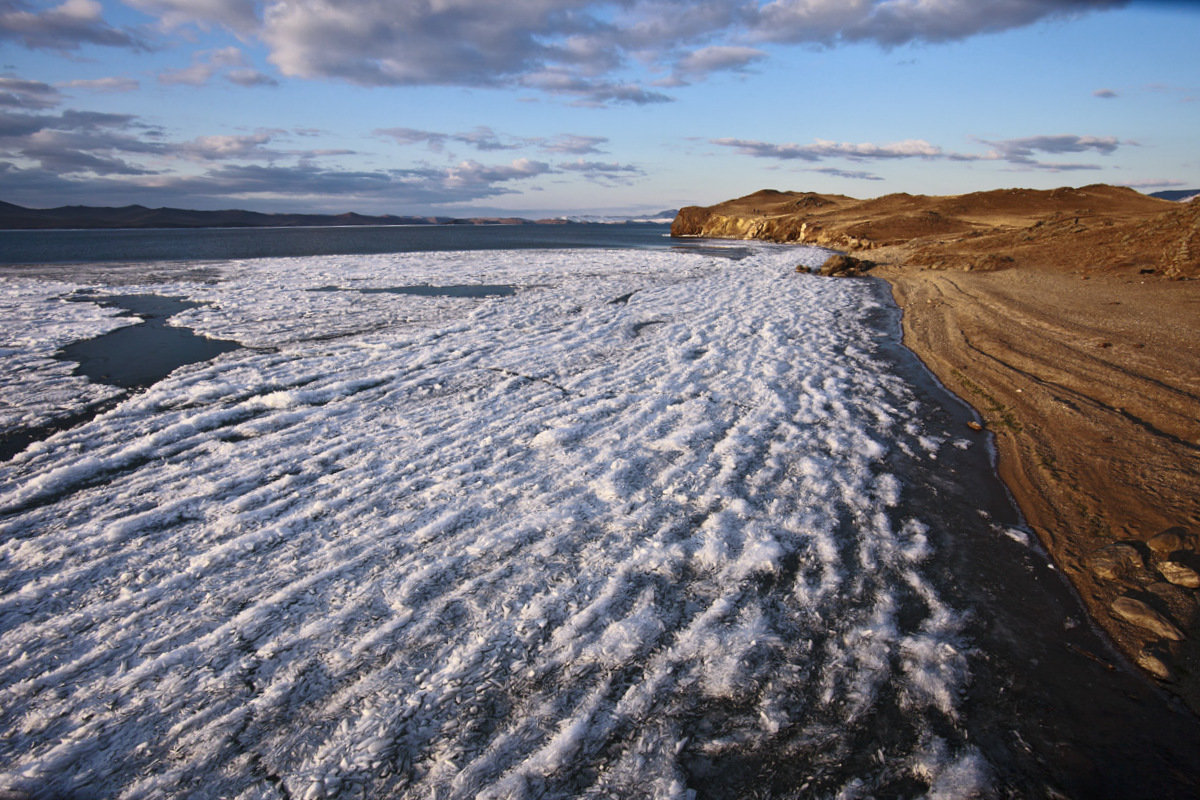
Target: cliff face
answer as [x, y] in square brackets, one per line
[1060, 228]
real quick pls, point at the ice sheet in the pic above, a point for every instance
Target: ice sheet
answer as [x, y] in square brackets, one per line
[543, 545]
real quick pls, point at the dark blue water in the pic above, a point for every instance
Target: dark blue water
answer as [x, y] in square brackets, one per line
[140, 355]
[218, 244]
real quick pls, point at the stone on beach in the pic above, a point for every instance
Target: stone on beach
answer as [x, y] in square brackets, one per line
[839, 265]
[1136, 612]
[1180, 574]
[1115, 562]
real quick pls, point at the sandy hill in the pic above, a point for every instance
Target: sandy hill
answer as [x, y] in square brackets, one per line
[1094, 228]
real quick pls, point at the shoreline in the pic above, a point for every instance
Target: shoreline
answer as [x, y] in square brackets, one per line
[1092, 433]
[1069, 319]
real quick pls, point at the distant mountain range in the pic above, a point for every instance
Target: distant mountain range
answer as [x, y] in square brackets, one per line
[1177, 194]
[17, 217]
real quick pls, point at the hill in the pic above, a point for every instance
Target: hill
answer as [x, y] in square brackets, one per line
[1177, 194]
[1062, 228]
[18, 217]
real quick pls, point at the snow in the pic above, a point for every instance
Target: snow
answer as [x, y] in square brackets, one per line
[543, 545]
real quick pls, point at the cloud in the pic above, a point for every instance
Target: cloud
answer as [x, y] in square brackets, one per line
[822, 149]
[68, 26]
[1020, 152]
[240, 16]
[220, 148]
[606, 173]
[485, 139]
[195, 75]
[51, 158]
[590, 91]
[586, 50]
[207, 63]
[26, 94]
[107, 85]
[856, 175]
[573, 144]
[699, 63]
[77, 142]
[1107, 94]
[895, 22]
[247, 77]
[481, 138]
[1154, 183]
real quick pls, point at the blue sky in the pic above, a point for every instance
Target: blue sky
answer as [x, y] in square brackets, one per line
[547, 107]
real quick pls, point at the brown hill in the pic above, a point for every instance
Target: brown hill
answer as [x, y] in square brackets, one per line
[1093, 227]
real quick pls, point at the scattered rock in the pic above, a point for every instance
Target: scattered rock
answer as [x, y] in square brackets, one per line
[1150, 661]
[845, 266]
[1115, 562]
[1136, 612]
[1171, 540]
[1180, 574]
[973, 425]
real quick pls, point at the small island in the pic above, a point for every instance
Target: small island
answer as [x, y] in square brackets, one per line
[1070, 320]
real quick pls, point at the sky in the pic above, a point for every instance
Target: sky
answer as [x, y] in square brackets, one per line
[571, 107]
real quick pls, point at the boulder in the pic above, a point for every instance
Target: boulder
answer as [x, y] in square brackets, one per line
[1153, 663]
[839, 265]
[1180, 574]
[1115, 562]
[1171, 540]
[1137, 613]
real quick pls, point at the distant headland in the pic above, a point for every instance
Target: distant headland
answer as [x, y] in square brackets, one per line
[15, 217]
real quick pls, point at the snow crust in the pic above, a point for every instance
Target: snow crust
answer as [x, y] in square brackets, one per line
[580, 541]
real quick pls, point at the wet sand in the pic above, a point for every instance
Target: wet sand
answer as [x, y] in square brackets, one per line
[1091, 386]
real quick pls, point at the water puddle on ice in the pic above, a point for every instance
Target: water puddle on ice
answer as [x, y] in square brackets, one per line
[129, 358]
[138, 356]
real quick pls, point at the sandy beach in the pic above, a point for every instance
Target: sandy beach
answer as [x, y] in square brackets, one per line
[1069, 320]
[1090, 387]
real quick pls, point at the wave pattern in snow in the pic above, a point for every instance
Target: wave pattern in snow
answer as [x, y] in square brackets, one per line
[625, 533]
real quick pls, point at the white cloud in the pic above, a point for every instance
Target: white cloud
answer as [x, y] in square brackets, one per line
[219, 148]
[822, 149]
